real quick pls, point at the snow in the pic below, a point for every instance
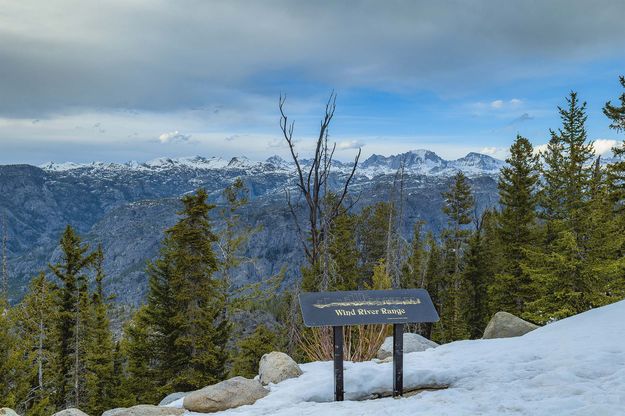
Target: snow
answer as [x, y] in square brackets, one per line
[418, 162]
[575, 366]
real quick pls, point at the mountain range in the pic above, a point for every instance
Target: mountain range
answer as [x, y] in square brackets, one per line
[125, 207]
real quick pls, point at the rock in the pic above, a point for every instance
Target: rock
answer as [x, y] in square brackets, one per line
[144, 410]
[113, 412]
[275, 367]
[506, 325]
[235, 392]
[170, 398]
[5, 411]
[70, 412]
[412, 343]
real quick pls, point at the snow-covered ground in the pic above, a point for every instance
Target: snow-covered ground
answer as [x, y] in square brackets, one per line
[572, 367]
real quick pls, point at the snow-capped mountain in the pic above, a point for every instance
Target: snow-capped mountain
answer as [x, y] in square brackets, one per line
[126, 206]
[419, 162]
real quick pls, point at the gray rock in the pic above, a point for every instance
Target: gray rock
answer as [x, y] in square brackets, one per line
[228, 394]
[5, 411]
[70, 412]
[506, 325]
[275, 367]
[412, 343]
[170, 398]
[144, 410]
[113, 412]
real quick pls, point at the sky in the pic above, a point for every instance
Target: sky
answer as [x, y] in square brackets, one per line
[116, 81]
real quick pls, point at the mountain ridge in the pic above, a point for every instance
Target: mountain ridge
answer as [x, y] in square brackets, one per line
[419, 161]
[126, 207]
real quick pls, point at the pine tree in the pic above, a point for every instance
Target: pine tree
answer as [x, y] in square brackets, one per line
[559, 279]
[186, 318]
[558, 268]
[99, 351]
[614, 113]
[481, 259]
[373, 225]
[11, 378]
[250, 351]
[142, 349]
[37, 315]
[616, 170]
[458, 205]
[569, 181]
[518, 199]
[414, 267]
[433, 279]
[343, 252]
[72, 321]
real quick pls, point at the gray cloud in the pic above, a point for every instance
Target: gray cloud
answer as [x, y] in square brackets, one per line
[522, 118]
[62, 55]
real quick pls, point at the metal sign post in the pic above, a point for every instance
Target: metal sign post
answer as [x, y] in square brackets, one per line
[338, 362]
[398, 359]
[364, 307]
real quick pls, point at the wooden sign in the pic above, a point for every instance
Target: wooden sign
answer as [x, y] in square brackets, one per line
[367, 307]
[362, 307]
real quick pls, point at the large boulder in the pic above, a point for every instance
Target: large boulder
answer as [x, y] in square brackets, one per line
[275, 367]
[412, 343]
[506, 325]
[144, 410]
[235, 392]
[5, 411]
[170, 398]
[70, 412]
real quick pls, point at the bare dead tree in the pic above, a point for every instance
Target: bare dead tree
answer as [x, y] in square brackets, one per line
[312, 184]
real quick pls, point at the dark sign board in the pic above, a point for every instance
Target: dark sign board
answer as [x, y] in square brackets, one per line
[367, 307]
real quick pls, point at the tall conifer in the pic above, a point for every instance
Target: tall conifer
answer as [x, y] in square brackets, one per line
[518, 198]
[72, 322]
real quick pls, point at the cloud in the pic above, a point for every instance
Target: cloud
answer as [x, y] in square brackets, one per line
[603, 146]
[496, 152]
[499, 104]
[174, 137]
[123, 54]
[520, 119]
[489, 150]
[349, 144]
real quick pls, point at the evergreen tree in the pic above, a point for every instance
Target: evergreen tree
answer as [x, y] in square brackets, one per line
[142, 349]
[433, 280]
[568, 173]
[414, 267]
[251, 349]
[373, 225]
[518, 199]
[37, 315]
[186, 317]
[458, 205]
[72, 320]
[616, 114]
[11, 378]
[616, 170]
[559, 268]
[100, 348]
[344, 271]
[479, 270]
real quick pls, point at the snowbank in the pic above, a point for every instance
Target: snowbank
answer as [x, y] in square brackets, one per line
[572, 367]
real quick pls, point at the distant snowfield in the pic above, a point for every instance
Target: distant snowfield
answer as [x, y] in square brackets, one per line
[572, 367]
